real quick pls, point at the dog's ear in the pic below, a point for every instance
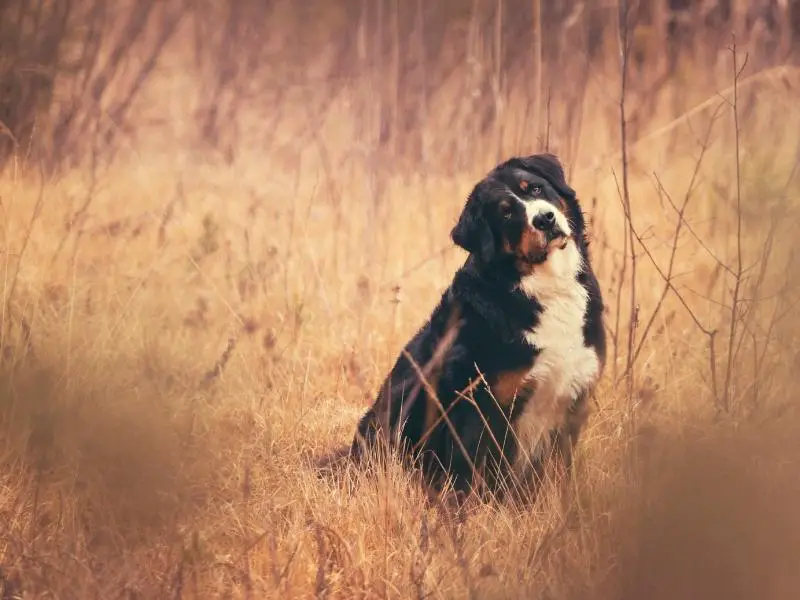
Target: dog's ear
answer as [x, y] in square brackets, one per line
[472, 231]
[549, 167]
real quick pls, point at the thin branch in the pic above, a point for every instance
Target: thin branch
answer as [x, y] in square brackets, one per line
[780, 73]
[697, 237]
[681, 222]
[672, 287]
[623, 125]
[739, 258]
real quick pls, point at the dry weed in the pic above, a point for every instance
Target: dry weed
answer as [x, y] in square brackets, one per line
[181, 332]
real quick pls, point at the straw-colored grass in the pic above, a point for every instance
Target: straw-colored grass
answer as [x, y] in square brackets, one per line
[182, 336]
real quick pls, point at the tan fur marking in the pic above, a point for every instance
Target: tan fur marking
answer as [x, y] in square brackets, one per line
[532, 240]
[507, 385]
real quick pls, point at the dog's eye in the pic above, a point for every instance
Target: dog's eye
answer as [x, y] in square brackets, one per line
[535, 190]
[529, 188]
[505, 210]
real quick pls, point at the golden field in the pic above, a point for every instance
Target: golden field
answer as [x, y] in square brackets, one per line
[185, 330]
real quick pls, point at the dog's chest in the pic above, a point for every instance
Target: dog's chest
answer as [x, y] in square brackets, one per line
[564, 367]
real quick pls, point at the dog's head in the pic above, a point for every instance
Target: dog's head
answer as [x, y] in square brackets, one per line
[522, 211]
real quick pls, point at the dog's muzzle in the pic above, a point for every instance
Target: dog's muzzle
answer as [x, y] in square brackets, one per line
[546, 223]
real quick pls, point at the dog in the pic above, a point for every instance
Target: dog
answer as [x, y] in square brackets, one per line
[498, 378]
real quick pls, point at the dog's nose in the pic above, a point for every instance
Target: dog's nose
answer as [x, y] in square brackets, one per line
[544, 221]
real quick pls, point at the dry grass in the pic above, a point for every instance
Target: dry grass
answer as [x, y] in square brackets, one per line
[180, 336]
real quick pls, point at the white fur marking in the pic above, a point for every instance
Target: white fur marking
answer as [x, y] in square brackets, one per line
[564, 367]
[537, 207]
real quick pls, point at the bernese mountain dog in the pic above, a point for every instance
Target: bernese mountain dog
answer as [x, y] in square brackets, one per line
[497, 380]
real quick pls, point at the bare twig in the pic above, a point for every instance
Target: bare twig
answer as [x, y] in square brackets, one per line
[623, 124]
[681, 222]
[548, 123]
[537, 92]
[737, 72]
[672, 287]
[779, 73]
[690, 229]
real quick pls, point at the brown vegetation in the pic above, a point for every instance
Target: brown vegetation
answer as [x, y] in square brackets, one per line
[220, 222]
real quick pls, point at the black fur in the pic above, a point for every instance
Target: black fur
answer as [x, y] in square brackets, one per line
[478, 328]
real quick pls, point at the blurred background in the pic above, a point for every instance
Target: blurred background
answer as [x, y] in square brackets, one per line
[411, 86]
[222, 220]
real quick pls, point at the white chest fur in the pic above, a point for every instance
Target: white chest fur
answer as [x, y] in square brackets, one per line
[564, 367]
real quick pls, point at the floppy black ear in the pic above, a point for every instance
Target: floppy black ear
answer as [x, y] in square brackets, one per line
[472, 231]
[549, 167]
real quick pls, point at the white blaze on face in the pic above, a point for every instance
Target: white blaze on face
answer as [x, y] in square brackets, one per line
[533, 208]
